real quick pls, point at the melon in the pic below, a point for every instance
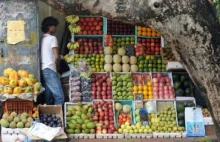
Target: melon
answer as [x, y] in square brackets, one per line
[125, 68]
[121, 51]
[108, 67]
[108, 59]
[108, 50]
[125, 59]
[134, 68]
[133, 60]
[117, 68]
[117, 58]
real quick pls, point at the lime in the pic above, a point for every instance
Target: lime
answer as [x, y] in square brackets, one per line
[127, 39]
[145, 70]
[145, 65]
[154, 65]
[152, 58]
[140, 70]
[140, 66]
[122, 43]
[159, 61]
[159, 70]
[146, 61]
[149, 65]
[154, 70]
[150, 69]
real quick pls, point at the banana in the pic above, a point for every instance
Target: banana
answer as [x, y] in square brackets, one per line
[72, 18]
[72, 45]
[74, 28]
[69, 58]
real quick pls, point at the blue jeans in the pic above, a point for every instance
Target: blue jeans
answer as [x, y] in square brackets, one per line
[53, 88]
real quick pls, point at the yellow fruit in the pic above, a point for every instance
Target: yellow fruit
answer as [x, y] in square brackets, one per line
[29, 82]
[8, 90]
[13, 76]
[149, 83]
[145, 88]
[23, 73]
[28, 90]
[150, 93]
[37, 87]
[145, 92]
[5, 81]
[140, 92]
[34, 109]
[31, 76]
[22, 83]
[150, 97]
[7, 71]
[1, 89]
[140, 87]
[17, 90]
[135, 88]
[149, 88]
[13, 83]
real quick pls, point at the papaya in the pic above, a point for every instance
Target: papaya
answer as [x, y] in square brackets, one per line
[13, 76]
[31, 76]
[5, 81]
[22, 83]
[13, 83]
[34, 80]
[7, 71]
[37, 87]
[17, 90]
[23, 73]
[29, 82]
[28, 90]
[8, 90]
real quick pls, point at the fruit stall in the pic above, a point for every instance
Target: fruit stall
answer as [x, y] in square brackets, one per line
[119, 88]
[129, 93]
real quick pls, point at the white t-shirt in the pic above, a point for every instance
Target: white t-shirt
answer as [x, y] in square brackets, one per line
[47, 56]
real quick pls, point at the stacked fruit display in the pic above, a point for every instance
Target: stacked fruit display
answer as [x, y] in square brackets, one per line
[96, 61]
[89, 46]
[118, 28]
[20, 82]
[122, 86]
[73, 27]
[104, 117]
[183, 85]
[150, 63]
[121, 42]
[142, 85]
[147, 31]
[120, 61]
[165, 121]
[135, 129]
[101, 86]
[79, 119]
[108, 40]
[51, 120]
[123, 113]
[149, 47]
[91, 25]
[14, 120]
[162, 87]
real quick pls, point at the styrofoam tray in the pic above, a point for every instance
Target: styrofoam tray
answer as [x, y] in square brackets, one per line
[109, 136]
[167, 135]
[183, 134]
[134, 136]
[11, 131]
[81, 136]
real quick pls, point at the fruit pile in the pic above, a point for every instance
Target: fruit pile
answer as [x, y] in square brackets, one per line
[96, 61]
[101, 86]
[35, 112]
[149, 47]
[118, 28]
[162, 88]
[168, 54]
[51, 120]
[206, 112]
[14, 120]
[89, 46]
[104, 117]
[122, 86]
[142, 85]
[121, 42]
[135, 129]
[165, 121]
[150, 63]
[137, 116]
[19, 82]
[121, 62]
[108, 40]
[147, 31]
[91, 25]
[79, 119]
[123, 113]
[73, 27]
[182, 85]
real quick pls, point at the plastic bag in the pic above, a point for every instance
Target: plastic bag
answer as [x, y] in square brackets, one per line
[86, 89]
[74, 87]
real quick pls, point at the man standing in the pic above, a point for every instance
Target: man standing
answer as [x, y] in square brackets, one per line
[50, 63]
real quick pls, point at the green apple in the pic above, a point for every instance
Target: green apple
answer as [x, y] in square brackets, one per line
[142, 127]
[147, 127]
[137, 111]
[138, 125]
[140, 130]
[125, 131]
[123, 126]
[145, 130]
[137, 118]
[127, 123]
[120, 131]
[150, 131]
[135, 131]
[131, 131]
[133, 126]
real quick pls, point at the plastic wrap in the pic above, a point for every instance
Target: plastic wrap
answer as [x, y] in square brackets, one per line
[86, 89]
[74, 84]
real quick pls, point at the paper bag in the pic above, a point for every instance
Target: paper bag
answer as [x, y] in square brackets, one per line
[194, 122]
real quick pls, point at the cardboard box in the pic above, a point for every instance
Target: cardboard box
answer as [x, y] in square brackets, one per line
[52, 109]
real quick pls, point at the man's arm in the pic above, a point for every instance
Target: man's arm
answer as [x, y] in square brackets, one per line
[57, 57]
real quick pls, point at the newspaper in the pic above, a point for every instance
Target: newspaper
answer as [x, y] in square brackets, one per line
[44, 132]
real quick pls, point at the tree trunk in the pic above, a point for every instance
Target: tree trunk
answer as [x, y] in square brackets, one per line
[189, 26]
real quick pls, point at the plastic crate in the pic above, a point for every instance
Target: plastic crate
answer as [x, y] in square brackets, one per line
[18, 106]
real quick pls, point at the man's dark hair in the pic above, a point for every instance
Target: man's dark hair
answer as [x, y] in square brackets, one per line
[47, 22]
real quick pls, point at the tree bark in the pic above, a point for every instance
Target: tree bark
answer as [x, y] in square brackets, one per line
[190, 27]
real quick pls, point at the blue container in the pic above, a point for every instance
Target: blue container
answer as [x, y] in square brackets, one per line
[144, 116]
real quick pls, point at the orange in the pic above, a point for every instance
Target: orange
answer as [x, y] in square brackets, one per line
[158, 34]
[150, 93]
[144, 33]
[149, 83]
[144, 29]
[140, 91]
[135, 88]
[139, 33]
[145, 88]
[148, 29]
[150, 97]
[140, 87]
[148, 33]
[154, 34]
[145, 93]
[145, 97]
[139, 28]
[149, 88]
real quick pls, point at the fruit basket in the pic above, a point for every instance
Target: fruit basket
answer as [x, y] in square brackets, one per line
[18, 106]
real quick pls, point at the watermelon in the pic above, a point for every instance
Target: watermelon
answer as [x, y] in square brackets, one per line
[176, 78]
[187, 92]
[177, 85]
[181, 123]
[180, 116]
[186, 84]
[179, 92]
[182, 78]
[180, 108]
